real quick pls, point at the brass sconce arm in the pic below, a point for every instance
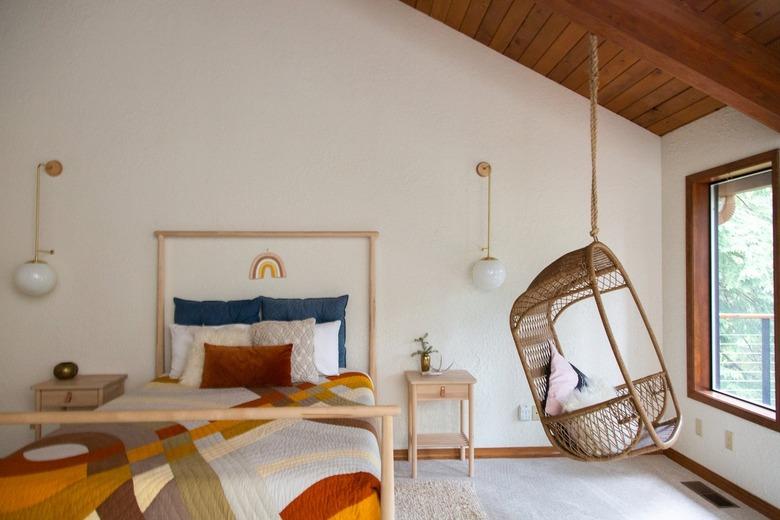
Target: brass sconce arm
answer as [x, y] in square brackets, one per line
[484, 170]
[53, 169]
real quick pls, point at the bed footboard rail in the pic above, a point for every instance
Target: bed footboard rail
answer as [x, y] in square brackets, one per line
[385, 412]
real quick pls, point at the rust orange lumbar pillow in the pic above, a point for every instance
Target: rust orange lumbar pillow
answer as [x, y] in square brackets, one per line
[230, 367]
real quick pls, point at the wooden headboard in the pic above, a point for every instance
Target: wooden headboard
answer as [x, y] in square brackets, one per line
[370, 236]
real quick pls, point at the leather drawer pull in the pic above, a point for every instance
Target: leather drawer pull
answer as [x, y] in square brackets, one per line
[442, 392]
[68, 397]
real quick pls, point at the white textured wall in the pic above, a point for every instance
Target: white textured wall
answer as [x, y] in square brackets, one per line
[717, 139]
[296, 115]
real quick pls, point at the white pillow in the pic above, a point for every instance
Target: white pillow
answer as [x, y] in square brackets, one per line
[326, 347]
[181, 341]
[237, 335]
[595, 391]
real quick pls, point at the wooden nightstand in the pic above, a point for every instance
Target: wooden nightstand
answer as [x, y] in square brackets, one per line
[82, 392]
[454, 385]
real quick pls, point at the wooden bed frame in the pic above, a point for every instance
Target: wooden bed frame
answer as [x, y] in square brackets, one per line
[386, 412]
[371, 236]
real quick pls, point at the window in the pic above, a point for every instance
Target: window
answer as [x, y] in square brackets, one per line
[732, 287]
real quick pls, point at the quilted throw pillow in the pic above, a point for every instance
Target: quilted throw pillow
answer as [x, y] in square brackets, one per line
[229, 335]
[301, 334]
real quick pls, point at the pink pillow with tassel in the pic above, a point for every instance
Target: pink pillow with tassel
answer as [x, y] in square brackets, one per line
[562, 382]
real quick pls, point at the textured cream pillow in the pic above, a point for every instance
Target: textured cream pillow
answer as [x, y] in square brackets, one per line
[228, 336]
[300, 334]
[181, 344]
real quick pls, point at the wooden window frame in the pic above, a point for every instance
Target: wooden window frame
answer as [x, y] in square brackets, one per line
[698, 286]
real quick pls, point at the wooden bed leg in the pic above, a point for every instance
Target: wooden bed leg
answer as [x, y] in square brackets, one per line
[388, 477]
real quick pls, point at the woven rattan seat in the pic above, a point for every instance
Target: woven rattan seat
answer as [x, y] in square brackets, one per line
[631, 423]
[636, 420]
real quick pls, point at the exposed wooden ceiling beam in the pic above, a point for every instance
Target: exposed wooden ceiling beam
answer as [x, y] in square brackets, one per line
[696, 49]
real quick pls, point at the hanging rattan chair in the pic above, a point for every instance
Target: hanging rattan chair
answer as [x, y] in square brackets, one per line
[634, 422]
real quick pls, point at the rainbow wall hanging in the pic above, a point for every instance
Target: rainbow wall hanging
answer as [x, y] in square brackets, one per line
[267, 263]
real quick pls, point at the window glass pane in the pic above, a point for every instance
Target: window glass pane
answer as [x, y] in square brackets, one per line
[743, 289]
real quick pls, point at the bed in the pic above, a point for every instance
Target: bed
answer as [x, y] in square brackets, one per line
[304, 451]
[288, 468]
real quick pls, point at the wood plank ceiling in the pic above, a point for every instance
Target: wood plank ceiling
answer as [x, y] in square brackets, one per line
[533, 35]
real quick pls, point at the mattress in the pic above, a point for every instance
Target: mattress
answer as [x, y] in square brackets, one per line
[290, 469]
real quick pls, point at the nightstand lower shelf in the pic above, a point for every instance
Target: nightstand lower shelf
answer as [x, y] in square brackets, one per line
[442, 440]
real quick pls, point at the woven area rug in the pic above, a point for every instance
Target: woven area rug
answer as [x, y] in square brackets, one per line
[437, 499]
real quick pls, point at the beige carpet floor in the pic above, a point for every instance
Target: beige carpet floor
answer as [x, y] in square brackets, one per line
[440, 499]
[558, 488]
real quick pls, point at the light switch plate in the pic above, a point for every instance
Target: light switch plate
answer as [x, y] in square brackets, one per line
[698, 427]
[729, 440]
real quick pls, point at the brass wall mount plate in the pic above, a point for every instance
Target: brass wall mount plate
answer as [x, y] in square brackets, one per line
[484, 169]
[53, 168]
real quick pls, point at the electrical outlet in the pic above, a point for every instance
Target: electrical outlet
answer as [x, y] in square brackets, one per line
[729, 440]
[535, 413]
[698, 427]
[524, 412]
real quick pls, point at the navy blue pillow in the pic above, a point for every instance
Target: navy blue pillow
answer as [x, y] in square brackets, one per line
[321, 309]
[213, 313]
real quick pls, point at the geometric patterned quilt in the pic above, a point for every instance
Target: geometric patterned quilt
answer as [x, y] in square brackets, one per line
[201, 470]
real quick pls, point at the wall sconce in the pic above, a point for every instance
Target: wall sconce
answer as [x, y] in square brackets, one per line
[488, 273]
[36, 277]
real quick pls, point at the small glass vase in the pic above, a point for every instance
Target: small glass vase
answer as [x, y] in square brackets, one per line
[425, 363]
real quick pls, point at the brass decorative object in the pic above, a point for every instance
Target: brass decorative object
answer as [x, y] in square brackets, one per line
[66, 370]
[425, 363]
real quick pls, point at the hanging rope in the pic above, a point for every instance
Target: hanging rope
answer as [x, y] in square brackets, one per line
[594, 94]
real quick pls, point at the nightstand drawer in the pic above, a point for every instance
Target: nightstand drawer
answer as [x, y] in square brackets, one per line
[453, 391]
[113, 391]
[69, 398]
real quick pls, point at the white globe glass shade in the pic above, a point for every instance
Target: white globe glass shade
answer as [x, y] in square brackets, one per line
[488, 273]
[35, 278]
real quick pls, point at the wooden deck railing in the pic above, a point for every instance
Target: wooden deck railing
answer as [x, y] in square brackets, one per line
[766, 350]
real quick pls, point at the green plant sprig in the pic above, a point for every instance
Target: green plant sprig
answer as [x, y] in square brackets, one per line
[426, 348]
